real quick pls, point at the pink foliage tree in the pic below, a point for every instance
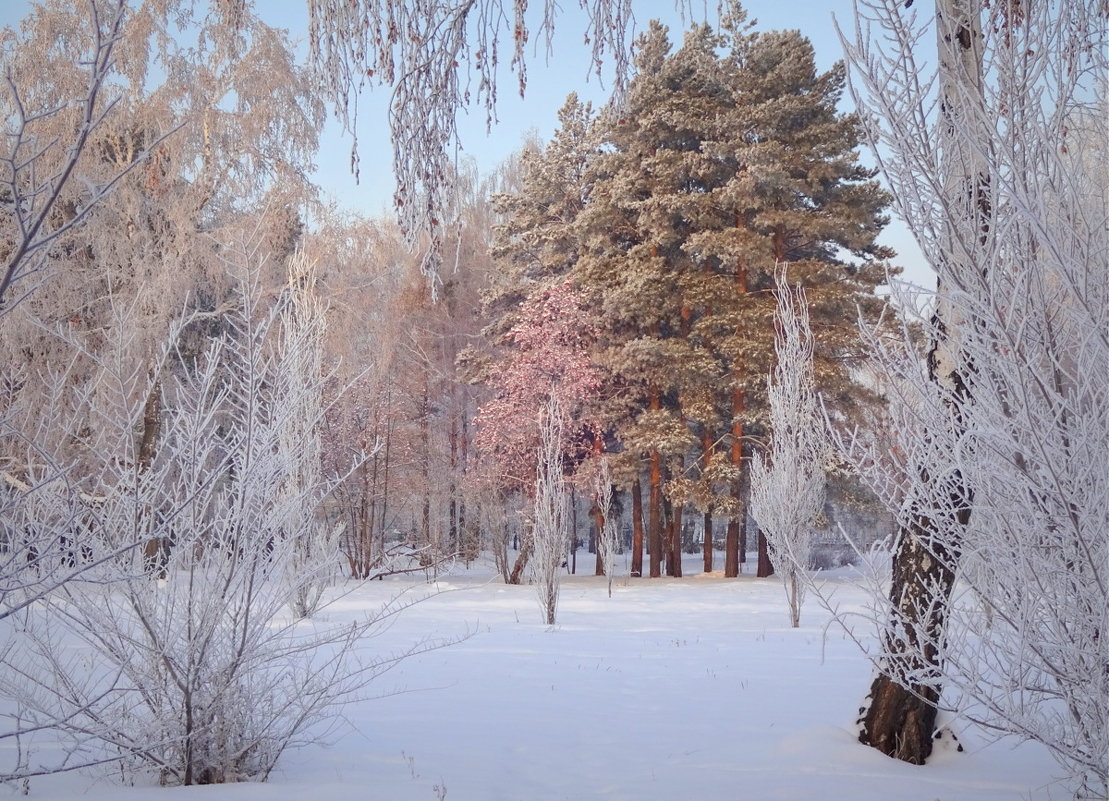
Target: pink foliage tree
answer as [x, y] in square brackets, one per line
[547, 360]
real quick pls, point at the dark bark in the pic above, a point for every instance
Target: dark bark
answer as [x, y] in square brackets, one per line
[706, 458]
[765, 567]
[427, 557]
[654, 516]
[743, 538]
[385, 484]
[898, 723]
[667, 536]
[454, 533]
[732, 550]
[900, 716]
[574, 528]
[598, 532]
[517, 574]
[708, 542]
[637, 529]
[674, 512]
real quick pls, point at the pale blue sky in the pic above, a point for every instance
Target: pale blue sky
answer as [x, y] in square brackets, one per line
[549, 81]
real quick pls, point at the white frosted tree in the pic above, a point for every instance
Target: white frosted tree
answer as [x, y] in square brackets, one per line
[787, 482]
[550, 540]
[202, 676]
[314, 541]
[608, 531]
[996, 471]
[47, 136]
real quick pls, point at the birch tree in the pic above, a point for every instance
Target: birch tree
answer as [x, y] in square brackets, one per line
[996, 160]
[41, 167]
[608, 530]
[436, 57]
[550, 539]
[203, 676]
[314, 542]
[787, 483]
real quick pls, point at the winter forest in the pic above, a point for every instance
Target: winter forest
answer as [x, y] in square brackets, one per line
[628, 469]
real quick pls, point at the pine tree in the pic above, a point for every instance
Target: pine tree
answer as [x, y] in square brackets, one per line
[534, 243]
[719, 167]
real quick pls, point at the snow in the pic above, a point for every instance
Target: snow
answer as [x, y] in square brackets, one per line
[693, 688]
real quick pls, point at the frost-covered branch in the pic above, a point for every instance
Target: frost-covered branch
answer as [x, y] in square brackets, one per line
[787, 483]
[38, 165]
[608, 533]
[437, 56]
[1001, 475]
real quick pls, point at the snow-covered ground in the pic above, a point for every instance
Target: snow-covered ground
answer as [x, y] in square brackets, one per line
[691, 688]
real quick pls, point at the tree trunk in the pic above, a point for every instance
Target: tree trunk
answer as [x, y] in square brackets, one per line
[454, 536]
[155, 550]
[654, 515]
[731, 549]
[385, 486]
[677, 510]
[637, 529]
[899, 717]
[574, 530]
[429, 553]
[708, 542]
[667, 535]
[674, 535]
[517, 574]
[706, 460]
[466, 526]
[732, 556]
[598, 532]
[766, 567]
[743, 537]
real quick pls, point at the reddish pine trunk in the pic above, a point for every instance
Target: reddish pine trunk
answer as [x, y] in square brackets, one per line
[654, 502]
[734, 545]
[706, 456]
[637, 529]
[654, 516]
[732, 548]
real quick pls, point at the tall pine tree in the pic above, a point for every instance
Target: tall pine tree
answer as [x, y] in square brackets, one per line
[715, 169]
